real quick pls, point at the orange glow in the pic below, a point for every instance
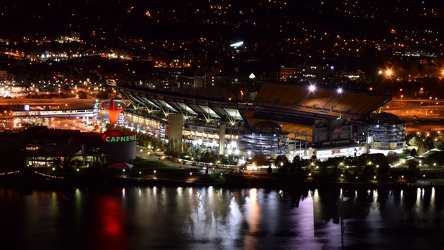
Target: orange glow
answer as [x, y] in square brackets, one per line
[114, 109]
[113, 115]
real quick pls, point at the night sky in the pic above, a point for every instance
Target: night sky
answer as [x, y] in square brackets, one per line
[172, 19]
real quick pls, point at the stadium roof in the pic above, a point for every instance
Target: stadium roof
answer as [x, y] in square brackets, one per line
[208, 107]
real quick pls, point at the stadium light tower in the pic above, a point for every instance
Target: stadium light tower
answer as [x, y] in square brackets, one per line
[312, 88]
[339, 90]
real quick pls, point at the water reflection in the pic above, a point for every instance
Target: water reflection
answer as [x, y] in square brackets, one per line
[217, 218]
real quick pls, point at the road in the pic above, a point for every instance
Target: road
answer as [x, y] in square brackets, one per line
[415, 108]
[70, 123]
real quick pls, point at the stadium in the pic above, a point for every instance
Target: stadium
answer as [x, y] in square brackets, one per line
[278, 119]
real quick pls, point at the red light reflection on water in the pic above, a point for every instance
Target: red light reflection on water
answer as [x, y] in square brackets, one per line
[111, 216]
[110, 233]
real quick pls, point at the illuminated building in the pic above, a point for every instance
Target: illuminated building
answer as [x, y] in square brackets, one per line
[40, 146]
[305, 118]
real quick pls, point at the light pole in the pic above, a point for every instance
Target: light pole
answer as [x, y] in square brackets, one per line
[340, 108]
[388, 77]
[430, 98]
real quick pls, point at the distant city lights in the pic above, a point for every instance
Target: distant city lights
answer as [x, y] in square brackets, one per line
[238, 44]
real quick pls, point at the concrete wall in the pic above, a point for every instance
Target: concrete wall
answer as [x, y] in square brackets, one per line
[175, 128]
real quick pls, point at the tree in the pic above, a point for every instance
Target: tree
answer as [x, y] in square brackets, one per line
[260, 159]
[368, 173]
[81, 94]
[323, 171]
[296, 165]
[269, 170]
[280, 160]
[429, 143]
[412, 172]
[383, 172]
[410, 138]
[296, 158]
[440, 145]
[421, 150]
[208, 157]
[435, 157]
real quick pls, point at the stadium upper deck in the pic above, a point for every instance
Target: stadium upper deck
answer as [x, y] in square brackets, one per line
[297, 107]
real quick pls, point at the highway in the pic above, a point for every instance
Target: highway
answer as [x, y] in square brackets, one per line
[407, 109]
[420, 115]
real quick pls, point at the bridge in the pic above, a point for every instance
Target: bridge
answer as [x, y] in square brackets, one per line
[16, 111]
[45, 103]
[53, 113]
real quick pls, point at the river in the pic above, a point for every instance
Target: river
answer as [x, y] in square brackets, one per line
[220, 218]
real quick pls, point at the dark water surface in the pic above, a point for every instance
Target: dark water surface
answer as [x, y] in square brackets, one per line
[220, 218]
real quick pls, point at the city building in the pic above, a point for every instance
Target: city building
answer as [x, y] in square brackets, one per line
[304, 73]
[40, 146]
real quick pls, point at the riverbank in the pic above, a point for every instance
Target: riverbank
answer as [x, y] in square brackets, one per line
[253, 181]
[238, 180]
[149, 173]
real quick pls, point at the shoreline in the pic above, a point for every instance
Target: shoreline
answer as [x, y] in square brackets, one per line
[261, 183]
[106, 179]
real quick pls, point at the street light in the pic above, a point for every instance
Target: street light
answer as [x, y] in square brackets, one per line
[388, 73]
